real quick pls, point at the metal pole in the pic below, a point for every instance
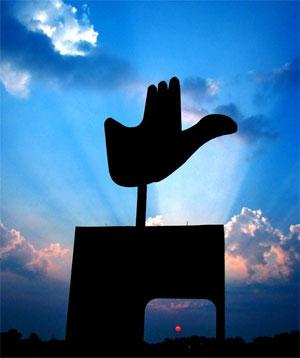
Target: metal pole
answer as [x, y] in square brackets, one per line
[141, 205]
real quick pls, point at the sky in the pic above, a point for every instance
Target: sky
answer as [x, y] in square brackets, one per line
[66, 66]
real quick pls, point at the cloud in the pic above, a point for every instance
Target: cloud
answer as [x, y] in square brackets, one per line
[58, 21]
[230, 110]
[295, 231]
[258, 252]
[40, 55]
[282, 77]
[171, 305]
[15, 81]
[281, 80]
[155, 221]
[197, 91]
[193, 115]
[21, 257]
[253, 128]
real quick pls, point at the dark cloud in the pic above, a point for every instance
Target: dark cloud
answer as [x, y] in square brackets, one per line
[255, 128]
[230, 110]
[199, 89]
[252, 129]
[34, 52]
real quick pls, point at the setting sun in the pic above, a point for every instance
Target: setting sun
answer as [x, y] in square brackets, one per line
[178, 329]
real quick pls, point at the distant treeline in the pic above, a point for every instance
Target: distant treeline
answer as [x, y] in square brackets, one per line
[280, 345]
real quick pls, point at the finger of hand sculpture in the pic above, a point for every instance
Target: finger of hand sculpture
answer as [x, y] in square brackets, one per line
[157, 147]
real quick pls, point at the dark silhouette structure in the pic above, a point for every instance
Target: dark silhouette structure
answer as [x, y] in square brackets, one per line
[117, 270]
[157, 146]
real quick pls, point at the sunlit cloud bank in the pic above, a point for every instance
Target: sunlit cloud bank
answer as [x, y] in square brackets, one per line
[20, 257]
[256, 251]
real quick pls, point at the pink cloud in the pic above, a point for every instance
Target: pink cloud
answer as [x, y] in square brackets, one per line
[236, 268]
[256, 251]
[171, 305]
[23, 258]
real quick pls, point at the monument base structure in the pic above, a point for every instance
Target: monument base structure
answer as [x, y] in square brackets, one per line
[116, 271]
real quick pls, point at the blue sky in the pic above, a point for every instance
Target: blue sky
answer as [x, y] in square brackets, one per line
[68, 65]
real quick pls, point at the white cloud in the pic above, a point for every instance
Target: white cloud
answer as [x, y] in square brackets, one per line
[295, 231]
[15, 81]
[155, 221]
[45, 30]
[213, 86]
[256, 251]
[58, 21]
[21, 257]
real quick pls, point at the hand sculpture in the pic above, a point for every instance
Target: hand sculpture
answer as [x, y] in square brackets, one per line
[156, 147]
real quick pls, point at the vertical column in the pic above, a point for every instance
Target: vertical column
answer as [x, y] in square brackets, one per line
[141, 205]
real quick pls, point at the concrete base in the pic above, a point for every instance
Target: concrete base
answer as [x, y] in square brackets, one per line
[117, 270]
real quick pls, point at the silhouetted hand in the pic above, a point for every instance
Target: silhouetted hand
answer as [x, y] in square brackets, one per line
[156, 147]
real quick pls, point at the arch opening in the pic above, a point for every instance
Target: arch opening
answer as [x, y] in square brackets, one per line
[177, 318]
